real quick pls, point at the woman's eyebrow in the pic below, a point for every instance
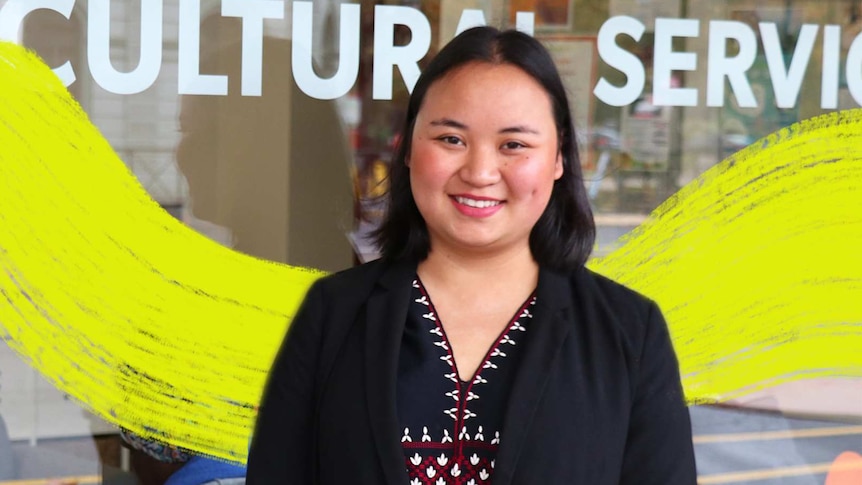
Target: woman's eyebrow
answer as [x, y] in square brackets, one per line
[520, 129]
[449, 123]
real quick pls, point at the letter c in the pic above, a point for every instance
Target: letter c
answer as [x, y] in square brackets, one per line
[12, 16]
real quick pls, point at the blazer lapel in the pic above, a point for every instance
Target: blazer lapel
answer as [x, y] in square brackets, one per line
[385, 318]
[547, 332]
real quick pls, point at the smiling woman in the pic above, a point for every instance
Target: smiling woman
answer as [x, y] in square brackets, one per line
[479, 348]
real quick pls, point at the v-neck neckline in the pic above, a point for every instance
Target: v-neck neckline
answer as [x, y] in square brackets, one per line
[461, 384]
[452, 427]
[386, 315]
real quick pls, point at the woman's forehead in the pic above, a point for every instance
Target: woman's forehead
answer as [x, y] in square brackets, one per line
[476, 72]
[482, 91]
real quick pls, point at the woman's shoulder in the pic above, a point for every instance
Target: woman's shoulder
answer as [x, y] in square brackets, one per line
[587, 284]
[600, 304]
[358, 281]
[346, 283]
[615, 291]
[610, 301]
[361, 272]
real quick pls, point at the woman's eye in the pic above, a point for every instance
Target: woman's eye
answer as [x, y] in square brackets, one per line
[452, 140]
[513, 145]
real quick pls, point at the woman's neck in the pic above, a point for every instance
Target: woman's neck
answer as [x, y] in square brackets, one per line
[511, 272]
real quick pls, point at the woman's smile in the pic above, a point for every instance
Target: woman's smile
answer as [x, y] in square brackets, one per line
[473, 206]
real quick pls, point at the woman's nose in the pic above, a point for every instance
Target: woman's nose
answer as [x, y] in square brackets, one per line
[481, 167]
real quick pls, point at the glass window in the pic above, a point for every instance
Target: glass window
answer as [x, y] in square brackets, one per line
[279, 147]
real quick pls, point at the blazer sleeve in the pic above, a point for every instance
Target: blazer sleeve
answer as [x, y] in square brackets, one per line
[283, 442]
[659, 446]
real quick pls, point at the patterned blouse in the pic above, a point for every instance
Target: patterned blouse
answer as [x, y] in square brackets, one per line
[451, 428]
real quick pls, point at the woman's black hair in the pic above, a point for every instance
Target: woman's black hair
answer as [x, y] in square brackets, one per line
[563, 236]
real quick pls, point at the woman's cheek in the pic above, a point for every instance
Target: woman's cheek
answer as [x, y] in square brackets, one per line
[529, 179]
[427, 164]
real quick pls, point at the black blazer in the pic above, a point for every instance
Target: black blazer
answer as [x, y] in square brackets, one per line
[597, 399]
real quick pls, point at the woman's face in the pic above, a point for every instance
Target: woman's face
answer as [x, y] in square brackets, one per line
[484, 157]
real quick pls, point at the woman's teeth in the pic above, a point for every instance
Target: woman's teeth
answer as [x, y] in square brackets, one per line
[479, 204]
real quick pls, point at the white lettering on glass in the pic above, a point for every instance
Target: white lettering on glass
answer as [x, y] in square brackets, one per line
[733, 69]
[99, 48]
[12, 16]
[854, 69]
[190, 80]
[621, 60]
[787, 81]
[666, 61]
[786, 70]
[252, 13]
[831, 67]
[470, 18]
[387, 54]
[525, 22]
[302, 61]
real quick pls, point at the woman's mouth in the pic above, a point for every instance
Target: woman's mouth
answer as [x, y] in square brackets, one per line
[479, 204]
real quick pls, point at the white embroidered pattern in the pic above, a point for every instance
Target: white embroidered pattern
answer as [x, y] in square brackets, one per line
[436, 469]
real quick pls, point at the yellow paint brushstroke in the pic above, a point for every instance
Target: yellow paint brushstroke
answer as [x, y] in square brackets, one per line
[157, 329]
[142, 320]
[757, 264]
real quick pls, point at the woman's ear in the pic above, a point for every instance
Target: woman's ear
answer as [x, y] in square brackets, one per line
[559, 163]
[558, 166]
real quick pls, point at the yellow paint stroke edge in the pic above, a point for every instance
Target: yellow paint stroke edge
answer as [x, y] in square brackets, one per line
[164, 332]
[757, 264]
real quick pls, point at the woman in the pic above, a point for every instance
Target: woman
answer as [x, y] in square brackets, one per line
[479, 349]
